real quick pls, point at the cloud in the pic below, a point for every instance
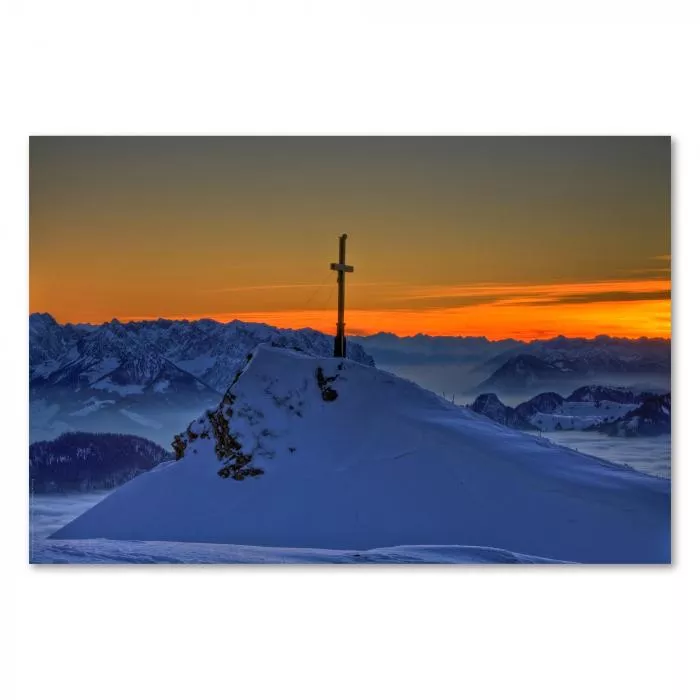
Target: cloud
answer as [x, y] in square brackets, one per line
[621, 307]
[602, 296]
[301, 285]
[538, 294]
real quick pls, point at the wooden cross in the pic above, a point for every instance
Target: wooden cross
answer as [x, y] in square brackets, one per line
[342, 268]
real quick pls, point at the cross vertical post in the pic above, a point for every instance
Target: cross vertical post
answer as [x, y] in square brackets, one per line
[342, 268]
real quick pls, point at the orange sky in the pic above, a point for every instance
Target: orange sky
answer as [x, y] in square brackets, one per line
[502, 237]
[524, 312]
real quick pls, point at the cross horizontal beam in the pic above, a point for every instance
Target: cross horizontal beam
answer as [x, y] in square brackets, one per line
[341, 267]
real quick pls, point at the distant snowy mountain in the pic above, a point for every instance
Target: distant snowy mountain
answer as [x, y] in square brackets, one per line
[321, 454]
[421, 349]
[89, 461]
[616, 394]
[652, 417]
[548, 402]
[515, 370]
[525, 371]
[492, 407]
[145, 377]
[48, 342]
[605, 355]
[588, 407]
[561, 361]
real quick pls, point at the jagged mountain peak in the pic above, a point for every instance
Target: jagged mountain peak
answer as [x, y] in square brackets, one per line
[600, 392]
[652, 417]
[38, 319]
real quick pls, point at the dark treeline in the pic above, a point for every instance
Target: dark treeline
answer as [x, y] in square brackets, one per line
[90, 461]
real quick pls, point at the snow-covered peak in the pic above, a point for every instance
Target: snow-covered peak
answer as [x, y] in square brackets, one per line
[651, 417]
[41, 320]
[597, 392]
[308, 451]
[49, 344]
[492, 407]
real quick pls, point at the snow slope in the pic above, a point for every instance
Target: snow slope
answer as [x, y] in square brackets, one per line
[120, 552]
[382, 464]
[51, 511]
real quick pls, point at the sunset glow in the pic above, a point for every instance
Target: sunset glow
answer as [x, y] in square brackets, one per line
[498, 237]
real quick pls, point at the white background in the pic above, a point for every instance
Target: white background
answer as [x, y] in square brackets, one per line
[362, 67]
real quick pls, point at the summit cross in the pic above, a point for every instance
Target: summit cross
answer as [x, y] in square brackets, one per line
[342, 268]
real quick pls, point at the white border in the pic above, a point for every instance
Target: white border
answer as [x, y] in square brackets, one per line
[361, 68]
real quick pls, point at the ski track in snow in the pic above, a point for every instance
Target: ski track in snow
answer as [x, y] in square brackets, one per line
[126, 552]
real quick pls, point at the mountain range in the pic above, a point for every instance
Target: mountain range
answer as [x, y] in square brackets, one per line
[468, 366]
[652, 417]
[143, 377]
[565, 360]
[615, 411]
[148, 377]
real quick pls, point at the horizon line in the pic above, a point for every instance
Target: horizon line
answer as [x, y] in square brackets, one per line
[152, 319]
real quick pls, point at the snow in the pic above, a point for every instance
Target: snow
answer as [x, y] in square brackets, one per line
[131, 362]
[162, 385]
[387, 464]
[578, 415]
[198, 365]
[99, 369]
[180, 553]
[141, 420]
[121, 389]
[90, 406]
[48, 512]
[44, 369]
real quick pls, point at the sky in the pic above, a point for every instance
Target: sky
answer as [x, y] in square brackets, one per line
[522, 237]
